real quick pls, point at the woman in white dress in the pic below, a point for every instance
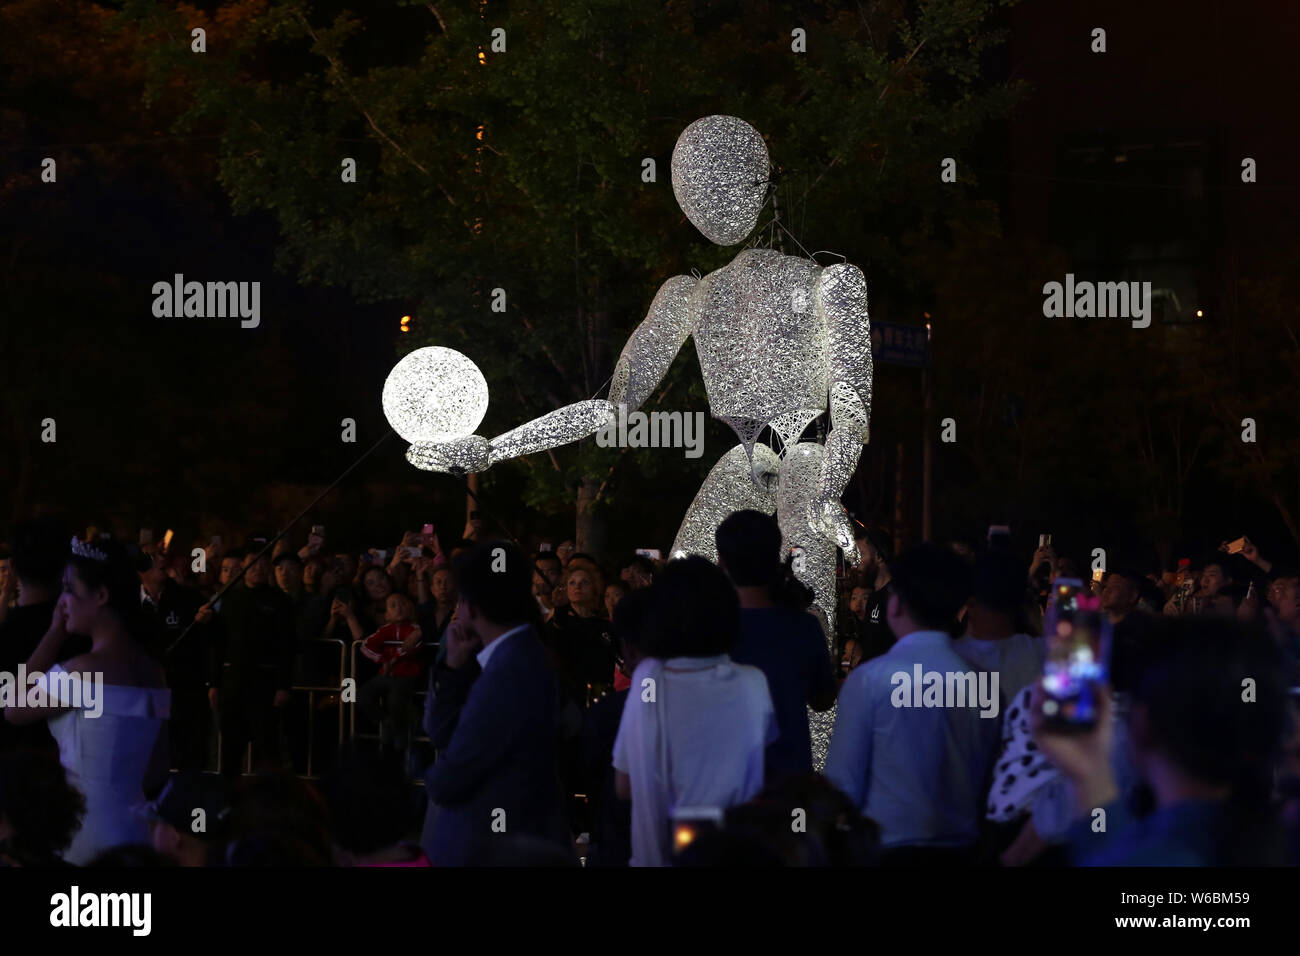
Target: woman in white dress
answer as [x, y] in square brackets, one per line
[109, 713]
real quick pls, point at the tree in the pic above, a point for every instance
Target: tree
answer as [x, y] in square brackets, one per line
[140, 407]
[518, 167]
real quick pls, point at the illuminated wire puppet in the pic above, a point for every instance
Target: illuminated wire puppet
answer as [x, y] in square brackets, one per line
[780, 339]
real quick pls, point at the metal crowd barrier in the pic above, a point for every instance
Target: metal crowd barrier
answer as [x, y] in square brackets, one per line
[419, 696]
[312, 690]
[347, 668]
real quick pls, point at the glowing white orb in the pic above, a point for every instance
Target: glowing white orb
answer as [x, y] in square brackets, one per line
[435, 394]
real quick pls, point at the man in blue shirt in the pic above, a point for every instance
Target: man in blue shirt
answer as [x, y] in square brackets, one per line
[785, 643]
[916, 762]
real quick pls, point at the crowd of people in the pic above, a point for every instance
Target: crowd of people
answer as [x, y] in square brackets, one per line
[499, 707]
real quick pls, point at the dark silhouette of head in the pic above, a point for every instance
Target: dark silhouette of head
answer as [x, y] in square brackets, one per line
[695, 612]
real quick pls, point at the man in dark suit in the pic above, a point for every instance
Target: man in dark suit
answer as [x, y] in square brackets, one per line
[494, 789]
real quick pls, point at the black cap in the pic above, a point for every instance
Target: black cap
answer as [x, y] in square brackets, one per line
[878, 539]
[287, 556]
[188, 791]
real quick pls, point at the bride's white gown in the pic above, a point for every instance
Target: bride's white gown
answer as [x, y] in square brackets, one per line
[106, 758]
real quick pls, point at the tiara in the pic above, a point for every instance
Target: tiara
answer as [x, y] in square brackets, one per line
[83, 550]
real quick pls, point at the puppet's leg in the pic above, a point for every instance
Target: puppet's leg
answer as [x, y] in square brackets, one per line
[814, 562]
[729, 487]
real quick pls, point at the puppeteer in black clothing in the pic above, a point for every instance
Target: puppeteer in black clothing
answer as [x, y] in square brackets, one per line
[187, 663]
[582, 650]
[874, 632]
[253, 661]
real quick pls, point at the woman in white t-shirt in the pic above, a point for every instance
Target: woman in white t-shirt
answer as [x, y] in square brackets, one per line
[696, 724]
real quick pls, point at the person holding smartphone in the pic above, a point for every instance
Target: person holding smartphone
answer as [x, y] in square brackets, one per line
[1209, 768]
[315, 542]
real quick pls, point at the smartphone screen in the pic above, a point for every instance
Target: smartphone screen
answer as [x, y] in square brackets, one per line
[1078, 652]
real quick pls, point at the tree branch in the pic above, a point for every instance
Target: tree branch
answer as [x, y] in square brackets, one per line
[899, 71]
[337, 69]
[623, 451]
[546, 350]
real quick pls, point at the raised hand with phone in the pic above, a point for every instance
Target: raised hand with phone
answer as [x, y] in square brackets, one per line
[398, 554]
[1078, 639]
[315, 541]
[1248, 550]
[1043, 554]
[343, 614]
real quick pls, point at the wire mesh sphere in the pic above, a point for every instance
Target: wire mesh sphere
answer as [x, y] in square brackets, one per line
[720, 175]
[435, 394]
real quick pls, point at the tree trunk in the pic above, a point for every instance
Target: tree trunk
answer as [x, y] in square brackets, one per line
[592, 528]
[471, 506]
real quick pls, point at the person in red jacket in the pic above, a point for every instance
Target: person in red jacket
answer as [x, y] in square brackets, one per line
[397, 647]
